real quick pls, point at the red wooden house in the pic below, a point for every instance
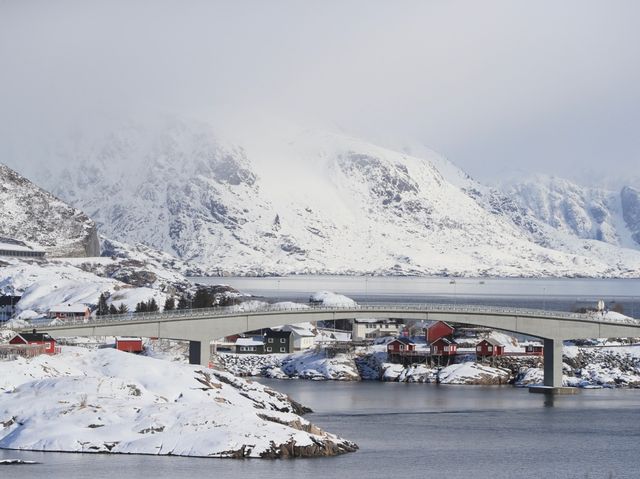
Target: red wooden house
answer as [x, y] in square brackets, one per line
[489, 347]
[401, 345]
[438, 330]
[444, 347]
[534, 350]
[43, 339]
[129, 344]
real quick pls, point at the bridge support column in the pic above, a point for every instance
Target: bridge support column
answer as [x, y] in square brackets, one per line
[553, 363]
[200, 352]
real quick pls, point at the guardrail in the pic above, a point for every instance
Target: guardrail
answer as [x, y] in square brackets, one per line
[239, 310]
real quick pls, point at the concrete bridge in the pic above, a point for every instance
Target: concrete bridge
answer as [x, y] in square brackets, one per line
[201, 326]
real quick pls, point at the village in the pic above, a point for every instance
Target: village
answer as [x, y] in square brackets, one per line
[434, 344]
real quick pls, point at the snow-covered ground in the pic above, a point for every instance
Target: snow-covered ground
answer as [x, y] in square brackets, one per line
[43, 285]
[108, 401]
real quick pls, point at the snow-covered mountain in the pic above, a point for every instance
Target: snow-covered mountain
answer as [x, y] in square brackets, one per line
[28, 213]
[306, 201]
[586, 212]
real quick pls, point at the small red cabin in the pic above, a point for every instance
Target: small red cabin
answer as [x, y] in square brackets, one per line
[438, 330]
[129, 344]
[534, 349]
[401, 345]
[38, 339]
[489, 347]
[444, 347]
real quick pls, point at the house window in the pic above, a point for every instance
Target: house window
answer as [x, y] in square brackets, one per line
[490, 348]
[282, 340]
[478, 348]
[401, 347]
[446, 348]
[270, 340]
[282, 350]
[269, 349]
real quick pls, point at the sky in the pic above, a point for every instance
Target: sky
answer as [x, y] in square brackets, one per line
[497, 87]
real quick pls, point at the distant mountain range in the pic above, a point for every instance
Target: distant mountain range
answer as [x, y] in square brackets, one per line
[316, 202]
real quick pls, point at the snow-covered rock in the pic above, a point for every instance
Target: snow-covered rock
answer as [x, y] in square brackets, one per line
[31, 214]
[318, 364]
[113, 402]
[588, 212]
[473, 373]
[331, 300]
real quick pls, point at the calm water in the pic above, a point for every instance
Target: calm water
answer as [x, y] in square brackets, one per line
[558, 294]
[416, 430]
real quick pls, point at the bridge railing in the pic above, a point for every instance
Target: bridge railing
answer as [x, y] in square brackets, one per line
[241, 310]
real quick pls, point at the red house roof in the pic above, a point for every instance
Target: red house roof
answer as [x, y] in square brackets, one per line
[438, 330]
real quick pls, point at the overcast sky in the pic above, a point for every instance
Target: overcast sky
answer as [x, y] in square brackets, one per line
[495, 86]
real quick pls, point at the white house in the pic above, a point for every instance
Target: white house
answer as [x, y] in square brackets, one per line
[250, 345]
[69, 310]
[374, 328]
[303, 335]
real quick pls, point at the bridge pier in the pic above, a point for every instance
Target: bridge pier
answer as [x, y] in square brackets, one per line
[553, 363]
[200, 352]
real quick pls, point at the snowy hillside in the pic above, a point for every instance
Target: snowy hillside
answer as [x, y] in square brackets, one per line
[46, 284]
[29, 213]
[311, 202]
[586, 212]
[108, 401]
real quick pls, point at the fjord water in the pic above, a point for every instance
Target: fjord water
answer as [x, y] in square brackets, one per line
[415, 431]
[422, 430]
[561, 294]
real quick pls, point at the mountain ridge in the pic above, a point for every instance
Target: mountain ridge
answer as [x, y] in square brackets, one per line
[312, 202]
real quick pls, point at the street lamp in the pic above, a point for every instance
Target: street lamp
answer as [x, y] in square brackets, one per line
[455, 291]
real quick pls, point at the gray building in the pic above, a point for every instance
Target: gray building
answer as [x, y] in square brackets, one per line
[8, 306]
[19, 249]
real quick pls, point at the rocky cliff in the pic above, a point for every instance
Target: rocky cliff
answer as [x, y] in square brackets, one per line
[29, 213]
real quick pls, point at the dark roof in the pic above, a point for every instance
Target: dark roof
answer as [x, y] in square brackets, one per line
[492, 342]
[277, 334]
[29, 337]
[9, 300]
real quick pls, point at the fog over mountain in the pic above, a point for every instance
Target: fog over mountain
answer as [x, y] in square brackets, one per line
[320, 136]
[497, 86]
[314, 201]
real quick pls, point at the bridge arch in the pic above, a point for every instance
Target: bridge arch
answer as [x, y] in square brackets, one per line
[200, 327]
